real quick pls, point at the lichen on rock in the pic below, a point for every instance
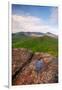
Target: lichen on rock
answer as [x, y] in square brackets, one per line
[23, 67]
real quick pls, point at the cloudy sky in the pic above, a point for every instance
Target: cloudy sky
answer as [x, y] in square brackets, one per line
[34, 18]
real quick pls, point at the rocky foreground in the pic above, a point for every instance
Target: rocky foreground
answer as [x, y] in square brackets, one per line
[23, 67]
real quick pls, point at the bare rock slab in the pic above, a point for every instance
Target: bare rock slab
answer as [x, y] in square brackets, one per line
[28, 74]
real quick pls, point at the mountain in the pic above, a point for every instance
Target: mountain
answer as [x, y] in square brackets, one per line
[36, 44]
[31, 34]
[51, 35]
[35, 34]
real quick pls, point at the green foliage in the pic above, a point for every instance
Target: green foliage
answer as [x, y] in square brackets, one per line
[36, 44]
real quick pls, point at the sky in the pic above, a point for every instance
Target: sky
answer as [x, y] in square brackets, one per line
[29, 18]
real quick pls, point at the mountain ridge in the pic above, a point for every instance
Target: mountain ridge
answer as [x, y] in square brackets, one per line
[36, 34]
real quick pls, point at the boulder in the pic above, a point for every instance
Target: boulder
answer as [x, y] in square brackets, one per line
[28, 74]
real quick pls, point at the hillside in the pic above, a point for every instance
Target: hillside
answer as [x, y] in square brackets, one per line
[36, 44]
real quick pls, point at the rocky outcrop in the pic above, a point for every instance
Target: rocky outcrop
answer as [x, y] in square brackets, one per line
[23, 68]
[19, 58]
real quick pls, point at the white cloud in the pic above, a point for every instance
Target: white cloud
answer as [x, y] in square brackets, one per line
[54, 16]
[31, 24]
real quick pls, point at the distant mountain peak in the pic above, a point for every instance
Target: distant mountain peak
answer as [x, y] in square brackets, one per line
[51, 35]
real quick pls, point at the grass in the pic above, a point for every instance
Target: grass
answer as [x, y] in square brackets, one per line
[36, 44]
